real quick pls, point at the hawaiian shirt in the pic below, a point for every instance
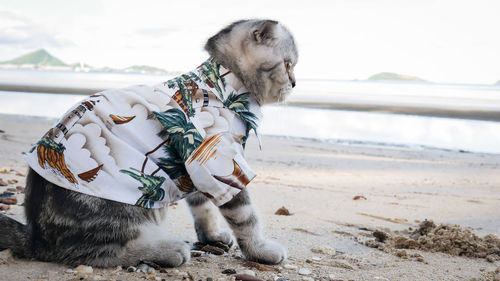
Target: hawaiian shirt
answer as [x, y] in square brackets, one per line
[149, 146]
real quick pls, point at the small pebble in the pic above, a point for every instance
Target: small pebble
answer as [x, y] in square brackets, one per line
[213, 250]
[178, 273]
[280, 279]
[246, 277]
[304, 271]
[8, 201]
[20, 188]
[306, 278]
[283, 212]
[4, 207]
[69, 270]
[229, 271]
[290, 266]
[196, 253]
[2, 183]
[5, 170]
[11, 181]
[324, 250]
[7, 194]
[261, 267]
[174, 272]
[84, 269]
[248, 272]
[131, 269]
[143, 268]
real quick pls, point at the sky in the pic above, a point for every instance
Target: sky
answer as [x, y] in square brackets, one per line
[440, 41]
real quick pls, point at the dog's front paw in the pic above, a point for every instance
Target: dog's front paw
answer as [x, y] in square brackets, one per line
[264, 251]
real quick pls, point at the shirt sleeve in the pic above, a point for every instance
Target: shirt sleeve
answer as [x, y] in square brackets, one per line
[218, 169]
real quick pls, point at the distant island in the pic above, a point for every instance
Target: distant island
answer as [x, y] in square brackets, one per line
[498, 82]
[43, 60]
[395, 76]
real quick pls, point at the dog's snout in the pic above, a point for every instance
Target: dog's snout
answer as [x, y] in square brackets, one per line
[293, 84]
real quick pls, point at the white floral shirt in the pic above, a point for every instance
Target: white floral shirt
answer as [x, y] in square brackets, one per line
[149, 146]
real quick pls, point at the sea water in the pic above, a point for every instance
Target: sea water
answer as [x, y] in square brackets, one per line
[352, 127]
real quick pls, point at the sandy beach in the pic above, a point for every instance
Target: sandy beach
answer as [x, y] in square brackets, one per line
[338, 196]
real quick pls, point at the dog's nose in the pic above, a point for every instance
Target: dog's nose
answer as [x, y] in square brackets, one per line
[293, 84]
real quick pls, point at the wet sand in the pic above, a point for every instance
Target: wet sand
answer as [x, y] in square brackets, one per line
[318, 182]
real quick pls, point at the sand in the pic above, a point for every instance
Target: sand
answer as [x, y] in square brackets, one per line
[326, 233]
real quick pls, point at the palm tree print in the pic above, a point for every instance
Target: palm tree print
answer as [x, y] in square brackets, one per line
[52, 153]
[151, 188]
[172, 163]
[209, 74]
[183, 84]
[240, 105]
[182, 140]
[181, 133]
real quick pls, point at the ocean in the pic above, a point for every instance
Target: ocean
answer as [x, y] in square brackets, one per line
[477, 132]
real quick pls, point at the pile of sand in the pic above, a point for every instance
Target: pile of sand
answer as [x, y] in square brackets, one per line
[445, 238]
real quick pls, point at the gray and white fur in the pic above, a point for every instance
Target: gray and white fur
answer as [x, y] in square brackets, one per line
[257, 51]
[74, 228]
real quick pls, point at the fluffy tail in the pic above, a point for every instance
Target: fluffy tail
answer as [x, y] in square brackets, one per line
[14, 236]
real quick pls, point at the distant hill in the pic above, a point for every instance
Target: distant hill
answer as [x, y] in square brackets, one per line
[43, 60]
[498, 82]
[144, 69]
[395, 76]
[39, 57]
[76, 64]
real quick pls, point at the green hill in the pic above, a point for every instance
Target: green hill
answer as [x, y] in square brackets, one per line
[41, 59]
[395, 76]
[38, 57]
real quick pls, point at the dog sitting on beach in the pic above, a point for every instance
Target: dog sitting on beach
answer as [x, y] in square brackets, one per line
[100, 180]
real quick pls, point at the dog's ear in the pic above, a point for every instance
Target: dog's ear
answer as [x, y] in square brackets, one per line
[265, 31]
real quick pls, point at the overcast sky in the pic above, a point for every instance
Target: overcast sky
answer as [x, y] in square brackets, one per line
[441, 41]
